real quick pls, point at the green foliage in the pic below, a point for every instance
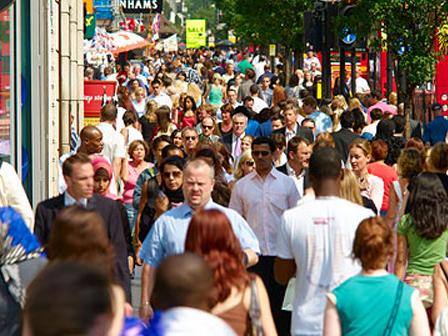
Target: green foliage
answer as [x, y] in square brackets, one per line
[410, 30]
[264, 22]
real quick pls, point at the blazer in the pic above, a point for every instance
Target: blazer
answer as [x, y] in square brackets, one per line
[227, 141]
[342, 139]
[301, 131]
[109, 210]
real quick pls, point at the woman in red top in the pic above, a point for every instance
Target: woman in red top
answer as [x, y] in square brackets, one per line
[382, 170]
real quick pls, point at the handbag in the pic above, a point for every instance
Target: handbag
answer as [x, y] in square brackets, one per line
[256, 327]
[394, 312]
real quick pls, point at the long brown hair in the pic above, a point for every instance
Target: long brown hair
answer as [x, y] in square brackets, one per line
[210, 235]
[79, 234]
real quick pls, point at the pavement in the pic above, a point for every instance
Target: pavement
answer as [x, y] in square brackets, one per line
[136, 289]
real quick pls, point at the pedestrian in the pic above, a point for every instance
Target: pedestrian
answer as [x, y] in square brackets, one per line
[159, 197]
[298, 153]
[167, 235]
[182, 290]
[21, 259]
[422, 234]
[132, 169]
[378, 168]
[148, 121]
[13, 195]
[234, 287]
[78, 174]
[191, 140]
[374, 302]
[71, 298]
[360, 152]
[261, 198]
[303, 245]
[114, 146]
[226, 125]
[131, 130]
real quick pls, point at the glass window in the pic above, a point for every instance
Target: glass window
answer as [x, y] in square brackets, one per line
[6, 81]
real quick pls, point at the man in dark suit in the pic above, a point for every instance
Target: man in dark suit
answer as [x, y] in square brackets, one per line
[345, 136]
[292, 128]
[78, 174]
[299, 152]
[233, 140]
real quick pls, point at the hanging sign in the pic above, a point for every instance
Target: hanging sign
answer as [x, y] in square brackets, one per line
[141, 6]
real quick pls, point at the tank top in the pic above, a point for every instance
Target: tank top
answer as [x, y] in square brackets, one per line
[215, 95]
[237, 317]
[365, 303]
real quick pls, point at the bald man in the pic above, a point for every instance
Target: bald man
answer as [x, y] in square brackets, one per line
[91, 144]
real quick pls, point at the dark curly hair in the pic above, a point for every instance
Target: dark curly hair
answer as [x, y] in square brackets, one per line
[427, 203]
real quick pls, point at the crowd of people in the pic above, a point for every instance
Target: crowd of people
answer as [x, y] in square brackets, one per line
[251, 206]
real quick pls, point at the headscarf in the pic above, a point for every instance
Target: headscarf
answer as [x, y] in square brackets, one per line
[17, 245]
[99, 162]
[175, 196]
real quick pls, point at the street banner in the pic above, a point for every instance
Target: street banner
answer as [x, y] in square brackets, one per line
[96, 94]
[141, 6]
[272, 50]
[196, 35]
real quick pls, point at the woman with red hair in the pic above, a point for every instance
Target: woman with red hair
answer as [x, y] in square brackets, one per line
[210, 235]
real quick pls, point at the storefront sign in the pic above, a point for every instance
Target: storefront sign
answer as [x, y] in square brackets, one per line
[141, 6]
[96, 92]
[195, 34]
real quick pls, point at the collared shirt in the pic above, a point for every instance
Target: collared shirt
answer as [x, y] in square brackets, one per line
[167, 236]
[298, 179]
[70, 200]
[236, 152]
[262, 203]
[259, 104]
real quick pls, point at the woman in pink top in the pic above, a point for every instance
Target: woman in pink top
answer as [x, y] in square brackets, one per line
[371, 185]
[382, 170]
[137, 151]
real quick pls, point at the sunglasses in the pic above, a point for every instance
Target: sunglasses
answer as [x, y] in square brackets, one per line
[262, 153]
[173, 174]
[250, 163]
[188, 138]
[207, 127]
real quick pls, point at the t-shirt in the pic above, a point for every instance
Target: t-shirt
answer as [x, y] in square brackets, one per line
[318, 235]
[364, 304]
[184, 321]
[424, 254]
[388, 175]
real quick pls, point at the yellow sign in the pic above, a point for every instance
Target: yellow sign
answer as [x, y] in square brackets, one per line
[196, 35]
[272, 50]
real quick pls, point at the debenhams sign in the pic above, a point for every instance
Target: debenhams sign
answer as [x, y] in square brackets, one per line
[141, 6]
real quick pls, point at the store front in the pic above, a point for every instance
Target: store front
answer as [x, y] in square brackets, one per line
[15, 102]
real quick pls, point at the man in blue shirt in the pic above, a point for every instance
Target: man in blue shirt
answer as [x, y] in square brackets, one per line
[167, 236]
[436, 130]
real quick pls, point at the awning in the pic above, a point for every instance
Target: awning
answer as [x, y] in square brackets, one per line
[115, 43]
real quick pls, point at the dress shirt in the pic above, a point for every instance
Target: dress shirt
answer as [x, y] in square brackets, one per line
[236, 145]
[298, 179]
[70, 200]
[262, 203]
[259, 104]
[289, 134]
[167, 236]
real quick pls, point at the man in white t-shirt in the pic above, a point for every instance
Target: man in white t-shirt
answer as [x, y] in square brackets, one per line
[314, 243]
[182, 291]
